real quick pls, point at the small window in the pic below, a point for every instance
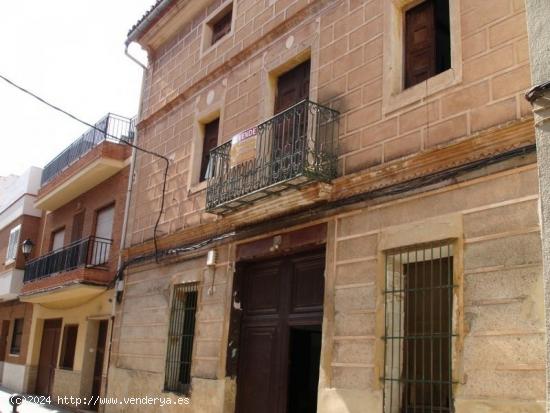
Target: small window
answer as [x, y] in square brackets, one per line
[180, 338]
[70, 332]
[419, 329]
[13, 243]
[211, 131]
[222, 25]
[17, 336]
[427, 41]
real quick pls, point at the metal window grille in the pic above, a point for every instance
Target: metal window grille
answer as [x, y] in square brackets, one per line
[419, 329]
[180, 338]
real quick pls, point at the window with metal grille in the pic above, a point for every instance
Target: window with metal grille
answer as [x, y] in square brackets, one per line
[180, 338]
[68, 346]
[419, 329]
[17, 336]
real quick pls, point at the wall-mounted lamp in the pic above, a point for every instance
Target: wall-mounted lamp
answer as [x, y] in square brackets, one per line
[26, 248]
[211, 258]
[119, 288]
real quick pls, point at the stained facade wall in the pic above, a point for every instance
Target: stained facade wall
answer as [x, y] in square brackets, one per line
[500, 364]
[348, 43]
[491, 217]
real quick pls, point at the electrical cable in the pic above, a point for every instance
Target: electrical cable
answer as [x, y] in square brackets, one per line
[164, 158]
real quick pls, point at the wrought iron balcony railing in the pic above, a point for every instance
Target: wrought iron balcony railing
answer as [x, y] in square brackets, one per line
[296, 146]
[87, 252]
[110, 125]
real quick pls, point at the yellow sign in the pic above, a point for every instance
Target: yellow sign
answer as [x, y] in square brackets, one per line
[243, 147]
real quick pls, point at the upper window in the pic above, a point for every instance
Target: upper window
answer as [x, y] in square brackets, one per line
[17, 336]
[181, 335]
[427, 41]
[419, 329]
[218, 26]
[211, 132]
[13, 243]
[222, 26]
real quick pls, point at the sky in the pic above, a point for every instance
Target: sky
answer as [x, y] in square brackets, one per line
[71, 53]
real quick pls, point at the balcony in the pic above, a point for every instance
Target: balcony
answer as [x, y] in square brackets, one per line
[288, 151]
[74, 271]
[94, 157]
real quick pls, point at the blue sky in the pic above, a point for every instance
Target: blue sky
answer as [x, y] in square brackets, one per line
[72, 54]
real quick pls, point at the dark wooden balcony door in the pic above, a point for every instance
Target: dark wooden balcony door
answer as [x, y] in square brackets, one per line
[280, 334]
[99, 360]
[49, 348]
[289, 134]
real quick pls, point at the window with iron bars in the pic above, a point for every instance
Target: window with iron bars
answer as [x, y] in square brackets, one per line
[419, 329]
[180, 338]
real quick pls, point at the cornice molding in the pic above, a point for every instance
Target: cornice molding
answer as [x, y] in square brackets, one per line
[483, 145]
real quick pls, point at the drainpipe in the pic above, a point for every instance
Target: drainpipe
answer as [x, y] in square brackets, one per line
[133, 59]
[119, 286]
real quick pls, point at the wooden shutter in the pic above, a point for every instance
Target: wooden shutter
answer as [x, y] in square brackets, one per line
[58, 239]
[222, 26]
[211, 131]
[13, 243]
[78, 226]
[292, 87]
[420, 45]
[104, 223]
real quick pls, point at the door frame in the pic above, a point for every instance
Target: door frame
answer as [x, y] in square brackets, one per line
[315, 318]
[58, 323]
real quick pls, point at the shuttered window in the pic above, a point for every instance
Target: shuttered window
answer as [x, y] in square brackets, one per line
[419, 329]
[17, 336]
[211, 131]
[427, 41]
[13, 243]
[180, 338]
[58, 239]
[70, 333]
[222, 26]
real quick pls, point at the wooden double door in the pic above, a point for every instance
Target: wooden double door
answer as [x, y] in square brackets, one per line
[281, 303]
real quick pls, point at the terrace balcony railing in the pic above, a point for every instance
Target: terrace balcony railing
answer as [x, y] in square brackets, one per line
[294, 147]
[109, 126]
[87, 252]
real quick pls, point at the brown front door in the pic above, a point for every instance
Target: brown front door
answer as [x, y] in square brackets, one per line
[4, 339]
[99, 359]
[48, 356]
[280, 335]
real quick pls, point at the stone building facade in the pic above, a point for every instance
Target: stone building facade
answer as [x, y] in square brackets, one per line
[401, 270]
